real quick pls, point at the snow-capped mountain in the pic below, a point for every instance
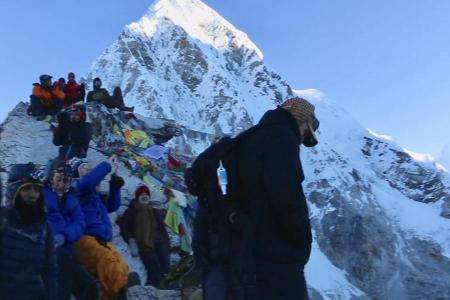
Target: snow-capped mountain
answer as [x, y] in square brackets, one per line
[380, 213]
[183, 61]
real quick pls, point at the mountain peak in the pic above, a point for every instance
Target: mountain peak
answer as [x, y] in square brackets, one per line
[199, 20]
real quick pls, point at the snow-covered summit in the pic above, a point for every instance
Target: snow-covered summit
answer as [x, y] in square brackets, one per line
[198, 20]
[184, 62]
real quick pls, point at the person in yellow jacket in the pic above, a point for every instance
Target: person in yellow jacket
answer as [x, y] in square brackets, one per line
[45, 99]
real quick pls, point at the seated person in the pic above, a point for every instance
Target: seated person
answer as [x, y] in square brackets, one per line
[45, 99]
[102, 96]
[143, 227]
[68, 224]
[94, 249]
[73, 90]
[98, 94]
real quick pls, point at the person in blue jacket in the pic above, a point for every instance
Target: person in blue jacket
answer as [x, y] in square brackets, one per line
[95, 249]
[67, 221]
[28, 268]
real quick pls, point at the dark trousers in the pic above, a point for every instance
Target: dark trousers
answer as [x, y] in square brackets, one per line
[216, 282]
[280, 281]
[36, 107]
[156, 262]
[73, 278]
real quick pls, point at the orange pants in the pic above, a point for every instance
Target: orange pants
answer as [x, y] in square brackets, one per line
[105, 263]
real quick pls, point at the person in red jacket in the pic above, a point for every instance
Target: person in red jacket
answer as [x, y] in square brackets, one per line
[73, 90]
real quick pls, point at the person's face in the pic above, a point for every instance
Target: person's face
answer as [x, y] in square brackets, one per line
[97, 84]
[307, 132]
[144, 198]
[71, 78]
[74, 117]
[48, 82]
[60, 183]
[30, 193]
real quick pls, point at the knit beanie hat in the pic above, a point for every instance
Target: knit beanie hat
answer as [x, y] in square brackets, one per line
[140, 190]
[301, 109]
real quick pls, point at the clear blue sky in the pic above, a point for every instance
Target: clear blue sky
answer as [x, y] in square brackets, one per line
[387, 62]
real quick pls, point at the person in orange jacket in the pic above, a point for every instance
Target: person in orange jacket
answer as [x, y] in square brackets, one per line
[45, 99]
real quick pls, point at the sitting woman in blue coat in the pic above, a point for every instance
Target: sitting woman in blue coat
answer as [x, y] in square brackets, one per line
[28, 267]
[95, 249]
[68, 224]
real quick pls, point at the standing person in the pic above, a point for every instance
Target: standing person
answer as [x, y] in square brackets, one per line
[94, 249]
[256, 199]
[68, 224]
[73, 90]
[143, 228]
[27, 252]
[270, 177]
[73, 133]
[45, 99]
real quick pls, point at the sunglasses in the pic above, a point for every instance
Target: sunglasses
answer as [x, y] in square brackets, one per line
[315, 124]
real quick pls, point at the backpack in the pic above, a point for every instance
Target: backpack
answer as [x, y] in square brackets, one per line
[201, 180]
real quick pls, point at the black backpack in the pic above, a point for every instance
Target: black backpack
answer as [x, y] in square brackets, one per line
[201, 178]
[202, 181]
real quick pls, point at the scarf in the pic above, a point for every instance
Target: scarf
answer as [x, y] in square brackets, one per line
[145, 227]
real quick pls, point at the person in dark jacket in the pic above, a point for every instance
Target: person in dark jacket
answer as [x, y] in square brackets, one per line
[117, 100]
[101, 95]
[276, 237]
[98, 94]
[28, 268]
[73, 90]
[94, 249]
[143, 228]
[68, 224]
[73, 133]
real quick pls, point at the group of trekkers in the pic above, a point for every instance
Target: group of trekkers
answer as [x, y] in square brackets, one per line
[48, 98]
[252, 234]
[55, 232]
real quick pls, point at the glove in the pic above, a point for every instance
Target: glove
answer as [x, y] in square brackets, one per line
[116, 182]
[59, 240]
[133, 247]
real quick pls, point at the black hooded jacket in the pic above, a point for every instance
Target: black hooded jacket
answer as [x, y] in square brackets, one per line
[270, 176]
[99, 94]
[73, 138]
[28, 268]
